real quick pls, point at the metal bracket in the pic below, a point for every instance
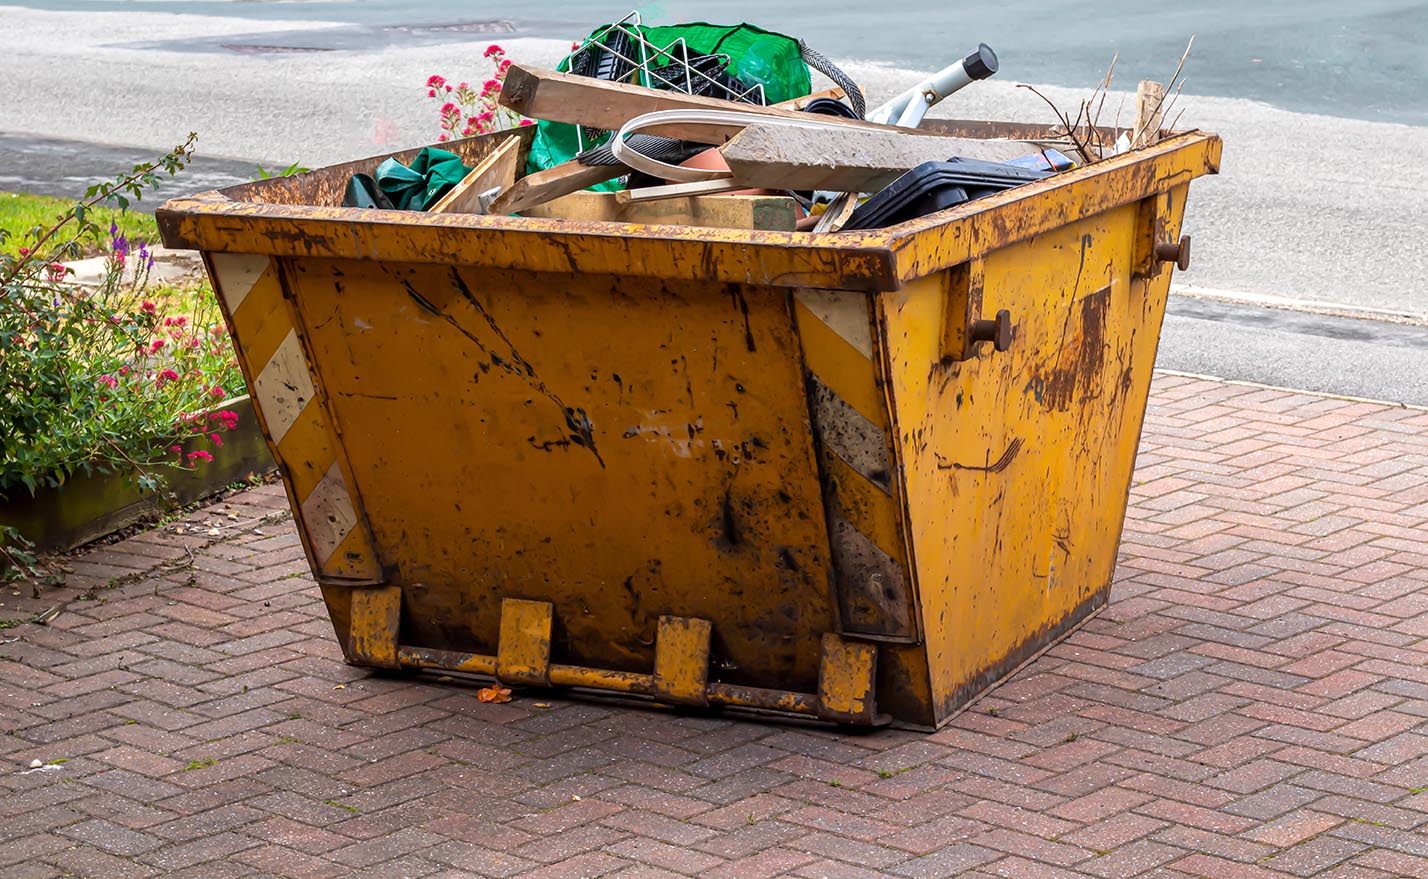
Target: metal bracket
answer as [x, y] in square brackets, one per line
[681, 672]
[846, 680]
[373, 625]
[523, 654]
[963, 326]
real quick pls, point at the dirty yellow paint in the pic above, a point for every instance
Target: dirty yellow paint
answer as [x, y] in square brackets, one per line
[682, 660]
[376, 618]
[743, 468]
[524, 656]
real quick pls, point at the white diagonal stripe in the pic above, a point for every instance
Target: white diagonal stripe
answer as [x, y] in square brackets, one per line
[328, 514]
[237, 273]
[284, 387]
[844, 312]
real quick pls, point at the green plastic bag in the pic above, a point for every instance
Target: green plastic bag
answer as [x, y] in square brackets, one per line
[419, 186]
[756, 56]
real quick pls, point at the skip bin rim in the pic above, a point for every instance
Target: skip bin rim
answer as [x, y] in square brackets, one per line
[882, 259]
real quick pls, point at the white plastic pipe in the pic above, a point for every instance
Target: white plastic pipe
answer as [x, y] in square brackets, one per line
[909, 108]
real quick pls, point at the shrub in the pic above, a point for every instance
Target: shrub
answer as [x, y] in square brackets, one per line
[112, 378]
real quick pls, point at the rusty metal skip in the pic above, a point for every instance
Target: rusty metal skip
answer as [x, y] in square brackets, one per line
[855, 477]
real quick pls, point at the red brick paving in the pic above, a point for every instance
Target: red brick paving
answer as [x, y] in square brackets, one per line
[1253, 703]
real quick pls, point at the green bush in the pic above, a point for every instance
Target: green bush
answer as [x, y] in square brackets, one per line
[104, 379]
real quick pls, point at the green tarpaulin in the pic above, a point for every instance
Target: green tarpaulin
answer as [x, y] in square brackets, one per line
[756, 56]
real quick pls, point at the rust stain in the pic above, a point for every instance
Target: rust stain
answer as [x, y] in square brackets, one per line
[1076, 375]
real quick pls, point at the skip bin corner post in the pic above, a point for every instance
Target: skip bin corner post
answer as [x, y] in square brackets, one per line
[268, 338]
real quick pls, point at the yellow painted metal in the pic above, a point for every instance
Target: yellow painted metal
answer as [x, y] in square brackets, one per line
[682, 660]
[706, 465]
[846, 680]
[373, 630]
[524, 656]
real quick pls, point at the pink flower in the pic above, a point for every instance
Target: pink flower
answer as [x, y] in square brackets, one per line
[448, 88]
[175, 449]
[431, 93]
[123, 370]
[215, 439]
[486, 116]
[493, 49]
[217, 392]
[461, 86]
[503, 66]
[168, 375]
[435, 81]
[148, 307]
[441, 138]
[527, 122]
[24, 251]
[109, 381]
[490, 87]
[449, 107]
[175, 321]
[158, 343]
[200, 455]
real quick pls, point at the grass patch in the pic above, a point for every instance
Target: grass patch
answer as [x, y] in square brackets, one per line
[199, 764]
[336, 805]
[20, 212]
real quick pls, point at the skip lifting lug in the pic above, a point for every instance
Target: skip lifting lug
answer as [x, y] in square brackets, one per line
[1177, 252]
[997, 331]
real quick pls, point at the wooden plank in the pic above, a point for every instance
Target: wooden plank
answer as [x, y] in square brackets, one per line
[678, 190]
[542, 186]
[773, 157]
[580, 100]
[767, 212]
[1149, 107]
[497, 171]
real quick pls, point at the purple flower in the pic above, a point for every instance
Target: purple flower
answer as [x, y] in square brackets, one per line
[145, 256]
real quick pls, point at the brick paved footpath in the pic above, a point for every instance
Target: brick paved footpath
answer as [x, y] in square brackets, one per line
[1254, 703]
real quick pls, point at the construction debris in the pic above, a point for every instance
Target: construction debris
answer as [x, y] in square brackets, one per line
[687, 130]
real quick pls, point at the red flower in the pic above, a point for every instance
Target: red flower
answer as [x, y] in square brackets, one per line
[217, 392]
[431, 93]
[200, 455]
[503, 66]
[493, 49]
[215, 439]
[148, 306]
[158, 343]
[435, 81]
[24, 251]
[490, 87]
[175, 448]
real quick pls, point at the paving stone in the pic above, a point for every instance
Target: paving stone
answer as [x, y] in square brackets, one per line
[1251, 704]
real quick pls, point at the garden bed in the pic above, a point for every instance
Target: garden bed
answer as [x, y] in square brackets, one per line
[89, 506]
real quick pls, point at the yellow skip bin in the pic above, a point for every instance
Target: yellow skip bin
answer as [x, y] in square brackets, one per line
[854, 476]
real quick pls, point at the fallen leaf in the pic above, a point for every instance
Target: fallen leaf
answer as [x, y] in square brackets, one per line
[497, 693]
[340, 687]
[575, 797]
[542, 705]
[213, 532]
[445, 679]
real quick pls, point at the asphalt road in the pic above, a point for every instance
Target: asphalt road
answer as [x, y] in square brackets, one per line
[1350, 356]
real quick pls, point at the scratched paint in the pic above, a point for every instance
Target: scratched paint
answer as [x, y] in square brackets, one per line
[479, 374]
